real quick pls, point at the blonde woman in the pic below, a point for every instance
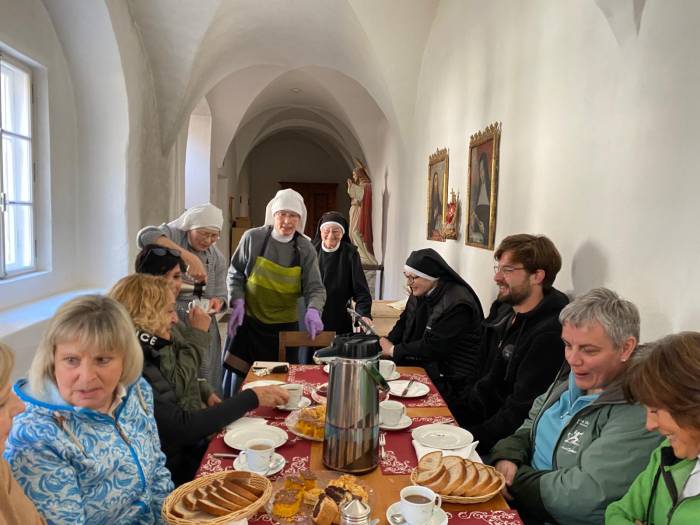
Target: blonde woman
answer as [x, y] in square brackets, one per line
[15, 507]
[86, 448]
[183, 432]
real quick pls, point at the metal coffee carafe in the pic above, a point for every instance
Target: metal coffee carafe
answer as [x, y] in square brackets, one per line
[352, 413]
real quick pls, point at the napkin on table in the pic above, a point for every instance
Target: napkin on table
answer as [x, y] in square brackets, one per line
[468, 452]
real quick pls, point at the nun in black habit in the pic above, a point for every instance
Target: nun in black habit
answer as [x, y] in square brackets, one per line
[440, 329]
[341, 271]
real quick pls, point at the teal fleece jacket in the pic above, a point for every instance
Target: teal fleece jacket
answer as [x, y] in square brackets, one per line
[595, 459]
[654, 497]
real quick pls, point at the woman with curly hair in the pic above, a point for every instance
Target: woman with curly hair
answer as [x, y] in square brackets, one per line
[171, 370]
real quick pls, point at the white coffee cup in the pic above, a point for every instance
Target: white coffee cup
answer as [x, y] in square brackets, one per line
[418, 504]
[391, 412]
[386, 368]
[295, 391]
[258, 454]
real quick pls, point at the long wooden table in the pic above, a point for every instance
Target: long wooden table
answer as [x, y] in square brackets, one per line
[387, 487]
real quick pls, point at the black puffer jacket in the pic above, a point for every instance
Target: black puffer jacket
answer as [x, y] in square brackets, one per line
[520, 355]
[441, 332]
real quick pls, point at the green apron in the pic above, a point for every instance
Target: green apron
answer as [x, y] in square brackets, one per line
[272, 290]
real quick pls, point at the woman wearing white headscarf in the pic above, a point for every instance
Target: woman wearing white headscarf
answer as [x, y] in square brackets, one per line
[193, 236]
[272, 267]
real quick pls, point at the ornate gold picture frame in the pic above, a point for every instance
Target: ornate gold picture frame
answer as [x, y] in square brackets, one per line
[438, 177]
[482, 184]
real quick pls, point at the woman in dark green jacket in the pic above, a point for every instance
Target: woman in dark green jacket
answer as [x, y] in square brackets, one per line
[665, 379]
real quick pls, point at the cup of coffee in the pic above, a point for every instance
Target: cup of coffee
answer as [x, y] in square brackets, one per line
[391, 412]
[258, 454]
[418, 504]
[386, 368]
[295, 392]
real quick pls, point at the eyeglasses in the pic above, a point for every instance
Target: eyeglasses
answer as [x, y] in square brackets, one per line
[506, 270]
[410, 278]
[207, 236]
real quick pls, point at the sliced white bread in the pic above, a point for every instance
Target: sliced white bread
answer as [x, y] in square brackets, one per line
[470, 477]
[209, 507]
[430, 461]
[495, 482]
[457, 471]
[484, 480]
[179, 510]
[243, 481]
[430, 476]
[438, 486]
[221, 501]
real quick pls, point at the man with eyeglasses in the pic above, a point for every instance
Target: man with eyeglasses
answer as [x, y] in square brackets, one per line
[521, 347]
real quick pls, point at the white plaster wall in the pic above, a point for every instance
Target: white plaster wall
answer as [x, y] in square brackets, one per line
[26, 28]
[197, 175]
[599, 146]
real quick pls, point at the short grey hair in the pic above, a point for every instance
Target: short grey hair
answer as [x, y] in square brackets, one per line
[97, 323]
[618, 317]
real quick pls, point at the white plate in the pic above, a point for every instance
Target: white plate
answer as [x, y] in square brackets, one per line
[327, 368]
[238, 438]
[394, 376]
[261, 382]
[439, 435]
[417, 389]
[405, 422]
[439, 516]
[291, 422]
[303, 403]
[278, 462]
[321, 400]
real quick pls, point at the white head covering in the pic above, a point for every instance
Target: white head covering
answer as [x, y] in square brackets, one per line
[288, 200]
[199, 216]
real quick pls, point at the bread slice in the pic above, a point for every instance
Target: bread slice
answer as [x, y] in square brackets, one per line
[457, 471]
[495, 482]
[470, 477]
[243, 479]
[430, 461]
[231, 495]
[241, 491]
[440, 483]
[179, 510]
[212, 508]
[190, 499]
[429, 476]
[483, 481]
[221, 501]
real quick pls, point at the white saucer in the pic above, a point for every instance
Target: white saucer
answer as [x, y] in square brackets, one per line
[416, 390]
[445, 437]
[404, 422]
[278, 462]
[439, 516]
[394, 376]
[237, 438]
[303, 403]
[262, 382]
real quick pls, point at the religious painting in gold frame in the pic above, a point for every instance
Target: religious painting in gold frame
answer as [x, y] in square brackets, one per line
[438, 177]
[482, 185]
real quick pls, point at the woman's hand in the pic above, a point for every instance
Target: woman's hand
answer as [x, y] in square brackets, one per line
[215, 305]
[271, 396]
[213, 400]
[199, 319]
[195, 267]
[387, 347]
[508, 469]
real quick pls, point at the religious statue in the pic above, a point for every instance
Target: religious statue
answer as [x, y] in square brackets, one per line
[360, 191]
[451, 227]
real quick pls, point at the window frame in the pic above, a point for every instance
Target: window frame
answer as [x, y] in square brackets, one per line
[33, 266]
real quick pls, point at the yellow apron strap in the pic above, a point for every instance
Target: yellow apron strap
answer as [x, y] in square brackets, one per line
[272, 291]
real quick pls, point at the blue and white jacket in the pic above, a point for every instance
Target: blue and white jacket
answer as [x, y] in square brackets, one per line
[79, 466]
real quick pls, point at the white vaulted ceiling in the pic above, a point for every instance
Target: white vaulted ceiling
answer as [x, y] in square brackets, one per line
[194, 45]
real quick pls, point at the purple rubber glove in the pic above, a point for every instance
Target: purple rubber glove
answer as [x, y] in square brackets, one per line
[313, 323]
[236, 318]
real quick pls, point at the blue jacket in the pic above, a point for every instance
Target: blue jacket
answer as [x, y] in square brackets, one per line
[79, 466]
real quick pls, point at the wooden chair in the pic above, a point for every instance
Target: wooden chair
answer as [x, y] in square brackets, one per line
[302, 339]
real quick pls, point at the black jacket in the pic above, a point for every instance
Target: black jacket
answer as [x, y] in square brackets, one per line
[520, 357]
[441, 332]
[182, 431]
[344, 279]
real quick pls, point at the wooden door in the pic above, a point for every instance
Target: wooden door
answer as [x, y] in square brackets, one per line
[319, 198]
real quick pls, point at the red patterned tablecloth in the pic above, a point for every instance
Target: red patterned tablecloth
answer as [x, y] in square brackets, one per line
[399, 454]
[473, 517]
[312, 376]
[296, 451]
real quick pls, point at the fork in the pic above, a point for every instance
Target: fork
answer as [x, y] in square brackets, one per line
[382, 444]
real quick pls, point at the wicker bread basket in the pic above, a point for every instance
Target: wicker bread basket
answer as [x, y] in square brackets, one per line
[175, 496]
[467, 499]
